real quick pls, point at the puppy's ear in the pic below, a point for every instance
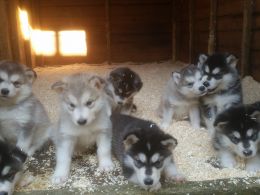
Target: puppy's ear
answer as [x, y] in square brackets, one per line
[97, 82]
[220, 122]
[59, 86]
[202, 60]
[170, 142]
[176, 77]
[19, 155]
[129, 141]
[30, 74]
[231, 60]
[138, 84]
[255, 115]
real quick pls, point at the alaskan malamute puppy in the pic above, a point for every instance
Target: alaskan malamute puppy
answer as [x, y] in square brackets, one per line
[222, 80]
[144, 151]
[237, 133]
[84, 121]
[23, 119]
[123, 84]
[11, 163]
[180, 97]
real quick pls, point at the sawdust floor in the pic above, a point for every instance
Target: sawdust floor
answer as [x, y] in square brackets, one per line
[191, 155]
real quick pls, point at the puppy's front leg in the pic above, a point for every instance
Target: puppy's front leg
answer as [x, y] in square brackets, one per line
[194, 115]
[167, 115]
[104, 152]
[24, 142]
[171, 172]
[253, 164]
[64, 151]
[227, 159]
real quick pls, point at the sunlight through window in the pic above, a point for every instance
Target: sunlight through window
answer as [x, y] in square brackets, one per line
[72, 43]
[43, 42]
[24, 22]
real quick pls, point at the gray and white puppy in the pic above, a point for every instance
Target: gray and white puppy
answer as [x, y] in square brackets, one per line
[181, 96]
[23, 119]
[144, 151]
[84, 121]
[122, 85]
[237, 133]
[222, 80]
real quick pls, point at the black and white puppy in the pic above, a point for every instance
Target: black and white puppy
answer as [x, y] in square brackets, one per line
[144, 151]
[223, 84]
[237, 132]
[11, 163]
[123, 84]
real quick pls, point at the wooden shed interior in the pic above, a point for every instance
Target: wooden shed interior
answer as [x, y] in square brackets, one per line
[129, 30]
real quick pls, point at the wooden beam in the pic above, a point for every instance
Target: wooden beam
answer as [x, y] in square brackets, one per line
[174, 32]
[108, 33]
[212, 26]
[5, 45]
[191, 30]
[246, 36]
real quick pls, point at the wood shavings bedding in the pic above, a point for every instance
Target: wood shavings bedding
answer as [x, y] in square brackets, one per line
[192, 155]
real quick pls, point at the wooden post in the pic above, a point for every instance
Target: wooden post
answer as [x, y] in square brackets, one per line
[108, 37]
[174, 30]
[191, 29]
[246, 36]
[17, 45]
[212, 26]
[5, 45]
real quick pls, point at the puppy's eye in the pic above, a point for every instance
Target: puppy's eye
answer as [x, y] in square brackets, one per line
[234, 139]
[218, 76]
[254, 137]
[72, 106]
[190, 84]
[17, 84]
[138, 163]
[89, 103]
[158, 164]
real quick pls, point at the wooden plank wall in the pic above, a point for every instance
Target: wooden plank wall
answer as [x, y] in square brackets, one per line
[255, 43]
[140, 31]
[229, 26]
[229, 31]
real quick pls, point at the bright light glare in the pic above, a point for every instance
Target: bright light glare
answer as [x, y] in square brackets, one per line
[43, 42]
[72, 43]
[24, 22]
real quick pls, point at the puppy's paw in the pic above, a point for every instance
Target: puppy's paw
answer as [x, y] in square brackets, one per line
[253, 168]
[59, 179]
[155, 187]
[195, 126]
[106, 166]
[228, 163]
[177, 177]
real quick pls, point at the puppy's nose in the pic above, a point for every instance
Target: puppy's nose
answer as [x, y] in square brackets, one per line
[120, 103]
[3, 193]
[247, 152]
[5, 91]
[202, 88]
[82, 121]
[148, 181]
[206, 83]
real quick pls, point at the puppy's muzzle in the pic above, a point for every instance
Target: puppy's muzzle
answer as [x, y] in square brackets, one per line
[148, 181]
[82, 121]
[4, 92]
[247, 153]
